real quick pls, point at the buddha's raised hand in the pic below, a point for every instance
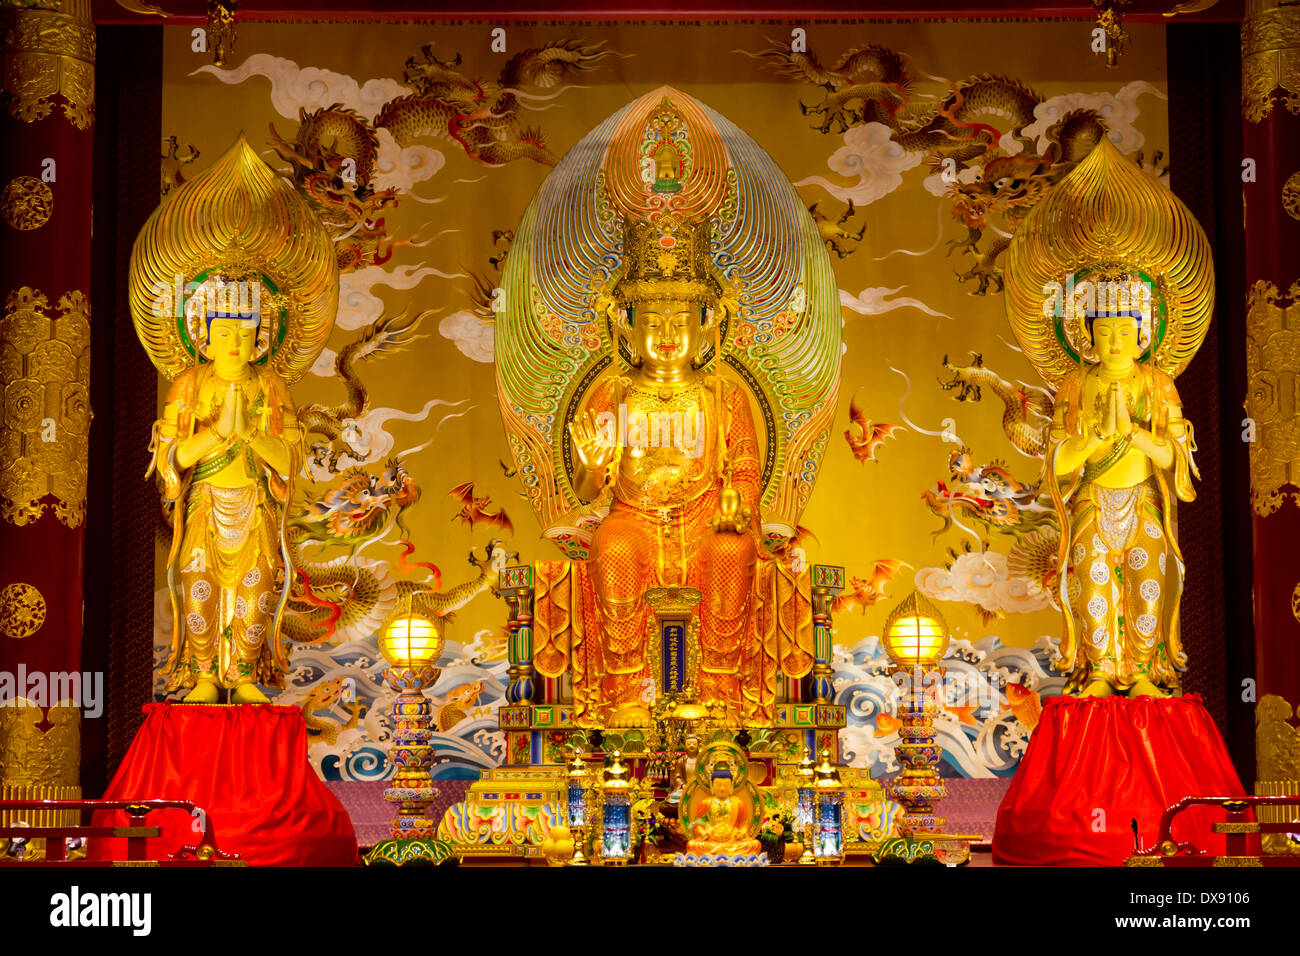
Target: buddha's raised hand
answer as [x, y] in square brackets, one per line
[591, 447]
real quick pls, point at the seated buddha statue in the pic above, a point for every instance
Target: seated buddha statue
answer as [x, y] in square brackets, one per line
[725, 824]
[674, 452]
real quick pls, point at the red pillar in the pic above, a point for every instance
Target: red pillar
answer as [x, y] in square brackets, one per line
[47, 68]
[1270, 49]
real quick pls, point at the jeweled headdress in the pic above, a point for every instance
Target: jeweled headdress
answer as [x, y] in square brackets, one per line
[235, 237]
[1108, 239]
[667, 256]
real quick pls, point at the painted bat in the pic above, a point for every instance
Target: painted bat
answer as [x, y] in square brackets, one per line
[868, 437]
[474, 509]
[868, 591]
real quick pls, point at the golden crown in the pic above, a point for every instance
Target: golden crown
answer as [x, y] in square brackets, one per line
[667, 257]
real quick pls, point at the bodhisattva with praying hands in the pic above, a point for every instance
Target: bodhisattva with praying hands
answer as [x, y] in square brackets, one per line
[1109, 290]
[224, 450]
[233, 287]
[1120, 445]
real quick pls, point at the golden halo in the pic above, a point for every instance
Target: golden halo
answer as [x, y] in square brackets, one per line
[714, 753]
[1106, 218]
[239, 222]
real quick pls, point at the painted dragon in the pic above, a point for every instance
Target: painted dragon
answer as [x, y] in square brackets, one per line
[989, 494]
[385, 336]
[960, 135]
[332, 163]
[333, 154]
[325, 695]
[351, 598]
[1027, 412]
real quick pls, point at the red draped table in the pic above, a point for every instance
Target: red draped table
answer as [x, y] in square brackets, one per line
[1095, 764]
[247, 766]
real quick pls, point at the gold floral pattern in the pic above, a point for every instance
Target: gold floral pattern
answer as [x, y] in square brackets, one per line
[1277, 765]
[1270, 60]
[27, 203]
[44, 432]
[1272, 367]
[22, 610]
[1291, 195]
[46, 53]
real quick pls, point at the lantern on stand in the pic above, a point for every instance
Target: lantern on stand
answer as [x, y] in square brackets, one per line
[616, 813]
[916, 638]
[804, 816]
[828, 809]
[411, 645]
[579, 809]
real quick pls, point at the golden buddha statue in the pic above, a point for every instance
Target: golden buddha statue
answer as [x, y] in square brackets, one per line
[1110, 288]
[667, 367]
[724, 827]
[255, 312]
[677, 452]
[224, 450]
[1116, 427]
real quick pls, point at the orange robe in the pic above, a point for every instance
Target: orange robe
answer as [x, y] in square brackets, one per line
[754, 617]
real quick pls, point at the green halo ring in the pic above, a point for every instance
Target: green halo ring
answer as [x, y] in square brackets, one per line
[1161, 313]
[182, 327]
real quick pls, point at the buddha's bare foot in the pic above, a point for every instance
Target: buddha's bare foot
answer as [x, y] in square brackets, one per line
[249, 694]
[204, 692]
[631, 714]
[1144, 688]
[1097, 688]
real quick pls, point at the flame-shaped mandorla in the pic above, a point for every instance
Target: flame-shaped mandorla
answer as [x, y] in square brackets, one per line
[1107, 222]
[236, 222]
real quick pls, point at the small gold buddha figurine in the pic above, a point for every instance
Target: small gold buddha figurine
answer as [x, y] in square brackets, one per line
[684, 769]
[724, 827]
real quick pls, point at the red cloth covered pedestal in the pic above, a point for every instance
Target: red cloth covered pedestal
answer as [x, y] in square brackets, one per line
[1093, 764]
[247, 766]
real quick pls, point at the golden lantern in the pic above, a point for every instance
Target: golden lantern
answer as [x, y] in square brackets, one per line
[411, 645]
[412, 642]
[915, 634]
[916, 638]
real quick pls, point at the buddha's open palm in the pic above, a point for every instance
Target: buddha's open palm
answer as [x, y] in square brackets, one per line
[594, 452]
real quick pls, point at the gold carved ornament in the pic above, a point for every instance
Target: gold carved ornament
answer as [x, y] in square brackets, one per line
[1277, 766]
[22, 610]
[255, 228]
[1291, 195]
[1270, 58]
[39, 765]
[1272, 380]
[44, 434]
[45, 52]
[27, 203]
